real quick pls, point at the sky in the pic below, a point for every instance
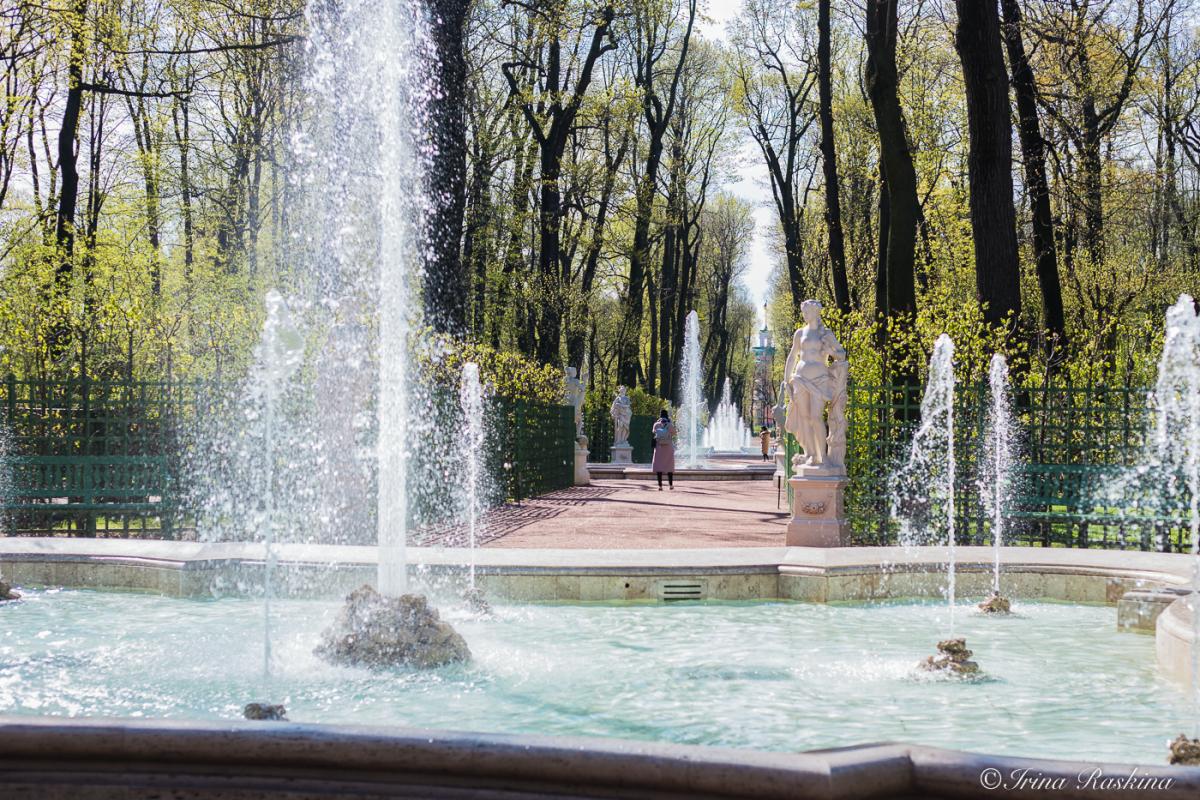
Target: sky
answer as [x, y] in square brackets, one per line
[752, 184]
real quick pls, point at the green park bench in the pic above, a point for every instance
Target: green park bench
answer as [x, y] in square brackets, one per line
[50, 493]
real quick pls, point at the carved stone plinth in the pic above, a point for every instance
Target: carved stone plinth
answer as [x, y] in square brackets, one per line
[582, 476]
[818, 511]
[622, 454]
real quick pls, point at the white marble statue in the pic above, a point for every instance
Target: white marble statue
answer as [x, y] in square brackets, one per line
[779, 410]
[574, 393]
[622, 414]
[816, 373]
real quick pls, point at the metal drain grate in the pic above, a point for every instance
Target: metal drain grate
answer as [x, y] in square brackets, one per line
[681, 590]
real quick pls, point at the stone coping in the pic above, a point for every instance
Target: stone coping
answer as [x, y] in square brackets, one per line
[1167, 568]
[61, 759]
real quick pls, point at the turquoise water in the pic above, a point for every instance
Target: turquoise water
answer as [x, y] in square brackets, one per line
[1062, 682]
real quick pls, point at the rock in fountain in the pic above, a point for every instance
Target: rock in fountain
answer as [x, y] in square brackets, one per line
[265, 711]
[378, 632]
[7, 593]
[476, 602]
[953, 658]
[1185, 752]
[996, 604]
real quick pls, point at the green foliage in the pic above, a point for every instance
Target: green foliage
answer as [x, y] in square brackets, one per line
[507, 374]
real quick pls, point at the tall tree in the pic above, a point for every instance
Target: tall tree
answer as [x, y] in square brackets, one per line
[560, 83]
[654, 21]
[989, 163]
[447, 280]
[896, 162]
[1097, 50]
[833, 206]
[775, 77]
[1033, 155]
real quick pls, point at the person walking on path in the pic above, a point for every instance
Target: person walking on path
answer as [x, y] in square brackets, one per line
[664, 449]
[765, 438]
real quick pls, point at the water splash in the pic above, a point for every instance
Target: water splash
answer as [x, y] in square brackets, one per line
[1176, 447]
[470, 398]
[691, 371]
[727, 431]
[279, 354]
[998, 459]
[922, 489]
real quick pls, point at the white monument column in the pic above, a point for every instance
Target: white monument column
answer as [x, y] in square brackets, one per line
[816, 373]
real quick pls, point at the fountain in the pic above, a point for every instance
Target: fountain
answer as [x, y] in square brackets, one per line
[470, 397]
[358, 249]
[923, 488]
[995, 477]
[1175, 461]
[277, 357]
[691, 399]
[727, 431]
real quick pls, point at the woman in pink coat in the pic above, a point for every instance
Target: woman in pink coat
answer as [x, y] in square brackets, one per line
[664, 449]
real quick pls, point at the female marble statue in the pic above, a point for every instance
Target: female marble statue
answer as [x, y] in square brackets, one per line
[813, 383]
[622, 414]
[574, 394]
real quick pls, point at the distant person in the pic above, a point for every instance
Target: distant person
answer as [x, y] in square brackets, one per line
[664, 449]
[765, 437]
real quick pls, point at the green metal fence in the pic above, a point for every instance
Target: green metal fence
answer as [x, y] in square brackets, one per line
[88, 456]
[95, 458]
[1073, 441]
[599, 429]
[536, 446]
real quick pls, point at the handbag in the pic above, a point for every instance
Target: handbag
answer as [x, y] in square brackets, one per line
[653, 441]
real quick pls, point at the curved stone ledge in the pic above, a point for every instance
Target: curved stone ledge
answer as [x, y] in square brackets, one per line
[54, 759]
[1173, 642]
[191, 569]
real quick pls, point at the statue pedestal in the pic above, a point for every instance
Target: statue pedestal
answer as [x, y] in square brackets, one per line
[818, 510]
[582, 476]
[622, 454]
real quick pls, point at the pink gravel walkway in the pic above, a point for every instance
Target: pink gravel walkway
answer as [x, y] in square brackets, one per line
[635, 514]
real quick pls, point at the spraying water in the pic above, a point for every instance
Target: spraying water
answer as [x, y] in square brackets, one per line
[1176, 444]
[279, 353]
[995, 476]
[727, 431]
[363, 169]
[691, 400]
[923, 487]
[470, 397]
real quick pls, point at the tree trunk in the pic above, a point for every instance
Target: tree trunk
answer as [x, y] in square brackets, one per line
[993, 218]
[549, 327]
[68, 194]
[881, 249]
[1034, 156]
[903, 204]
[447, 282]
[833, 208]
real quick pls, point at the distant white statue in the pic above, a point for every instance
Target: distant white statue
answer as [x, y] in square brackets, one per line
[574, 393]
[817, 372]
[779, 411]
[622, 415]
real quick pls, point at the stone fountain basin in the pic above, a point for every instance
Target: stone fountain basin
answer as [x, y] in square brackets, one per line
[183, 569]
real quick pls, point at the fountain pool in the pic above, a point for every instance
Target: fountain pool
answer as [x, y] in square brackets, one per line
[773, 676]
